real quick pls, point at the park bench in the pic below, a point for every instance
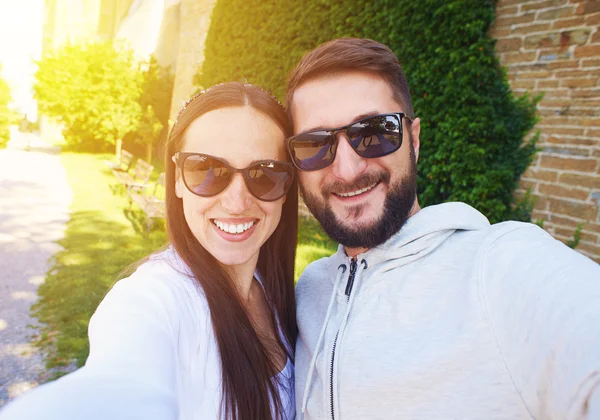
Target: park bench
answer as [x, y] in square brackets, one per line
[123, 164]
[152, 202]
[137, 177]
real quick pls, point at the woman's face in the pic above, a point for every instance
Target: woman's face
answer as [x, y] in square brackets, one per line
[240, 136]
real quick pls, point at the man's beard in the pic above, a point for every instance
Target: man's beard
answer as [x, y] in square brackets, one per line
[396, 209]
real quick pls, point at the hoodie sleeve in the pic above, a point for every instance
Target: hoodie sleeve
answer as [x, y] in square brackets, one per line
[543, 301]
[131, 369]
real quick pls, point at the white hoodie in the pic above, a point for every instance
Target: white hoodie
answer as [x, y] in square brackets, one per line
[451, 319]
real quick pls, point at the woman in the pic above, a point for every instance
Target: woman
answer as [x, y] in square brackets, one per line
[206, 328]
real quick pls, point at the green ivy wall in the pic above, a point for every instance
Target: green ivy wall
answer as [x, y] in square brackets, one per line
[473, 128]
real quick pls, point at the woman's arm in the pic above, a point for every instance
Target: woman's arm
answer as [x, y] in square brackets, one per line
[131, 372]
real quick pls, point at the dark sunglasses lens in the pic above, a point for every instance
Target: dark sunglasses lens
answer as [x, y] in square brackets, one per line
[312, 151]
[376, 136]
[204, 175]
[269, 181]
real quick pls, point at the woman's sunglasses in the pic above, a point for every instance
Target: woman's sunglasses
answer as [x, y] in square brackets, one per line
[206, 176]
[370, 137]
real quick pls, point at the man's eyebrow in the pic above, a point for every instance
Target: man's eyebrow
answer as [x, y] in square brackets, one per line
[356, 118]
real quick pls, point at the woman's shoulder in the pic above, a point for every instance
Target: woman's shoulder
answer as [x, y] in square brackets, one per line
[162, 284]
[165, 271]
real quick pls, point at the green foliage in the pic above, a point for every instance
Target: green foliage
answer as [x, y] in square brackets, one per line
[6, 115]
[572, 243]
[473, 128]
[157, 89]
[93, 90]
[155, 103]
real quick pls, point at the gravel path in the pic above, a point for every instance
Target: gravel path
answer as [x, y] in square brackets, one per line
[34, 206]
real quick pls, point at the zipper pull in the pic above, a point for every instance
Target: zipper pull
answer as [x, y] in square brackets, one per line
[351, 277]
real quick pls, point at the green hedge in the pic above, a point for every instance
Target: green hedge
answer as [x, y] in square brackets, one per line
[473, 128]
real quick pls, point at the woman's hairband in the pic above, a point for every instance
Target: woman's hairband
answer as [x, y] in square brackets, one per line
[202, 92]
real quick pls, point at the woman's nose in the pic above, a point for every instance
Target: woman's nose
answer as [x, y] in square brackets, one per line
[236, 198]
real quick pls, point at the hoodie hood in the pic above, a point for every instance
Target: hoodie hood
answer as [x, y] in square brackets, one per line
[420, 236]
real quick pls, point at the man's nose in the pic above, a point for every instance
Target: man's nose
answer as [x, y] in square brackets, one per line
[236, 198]
[347, 165]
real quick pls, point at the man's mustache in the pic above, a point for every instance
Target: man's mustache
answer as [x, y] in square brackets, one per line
[365, 180]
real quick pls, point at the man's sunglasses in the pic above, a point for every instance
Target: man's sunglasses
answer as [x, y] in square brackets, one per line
[206, 176]
[370, 137]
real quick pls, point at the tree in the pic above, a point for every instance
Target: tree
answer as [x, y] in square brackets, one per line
[155, 102]
[92, 89]
[6, 115]
[473, 128]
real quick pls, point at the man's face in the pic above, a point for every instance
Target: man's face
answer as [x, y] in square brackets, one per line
[359, 202]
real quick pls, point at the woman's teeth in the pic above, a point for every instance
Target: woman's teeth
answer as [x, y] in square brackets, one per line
[240, 228]
[357, 192]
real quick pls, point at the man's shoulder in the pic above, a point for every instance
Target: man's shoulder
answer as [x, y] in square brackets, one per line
[522, 246]
[503, 233]
[516, 244]
[511, 227]
[313, 292]
[506, 234]
[313, 276]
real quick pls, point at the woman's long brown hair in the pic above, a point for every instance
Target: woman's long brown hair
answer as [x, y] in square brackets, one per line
[249, 387]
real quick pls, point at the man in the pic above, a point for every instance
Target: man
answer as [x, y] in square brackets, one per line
[423, 313]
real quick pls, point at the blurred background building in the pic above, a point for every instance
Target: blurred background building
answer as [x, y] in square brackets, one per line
[173, 31]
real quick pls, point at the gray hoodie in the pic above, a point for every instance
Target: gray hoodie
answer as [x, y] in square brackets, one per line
[452, 318]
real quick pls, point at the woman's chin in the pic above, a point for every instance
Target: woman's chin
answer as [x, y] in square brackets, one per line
[232, 259]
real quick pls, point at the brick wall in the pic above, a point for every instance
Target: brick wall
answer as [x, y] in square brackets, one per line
[553, 46]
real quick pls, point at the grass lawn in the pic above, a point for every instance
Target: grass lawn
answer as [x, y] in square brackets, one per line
[102, 238]
[100, 241]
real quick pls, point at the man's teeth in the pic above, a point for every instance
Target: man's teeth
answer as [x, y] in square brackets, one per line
[240, 228]
[357, 192]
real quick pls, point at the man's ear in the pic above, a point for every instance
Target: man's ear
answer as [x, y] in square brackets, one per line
[415, 129]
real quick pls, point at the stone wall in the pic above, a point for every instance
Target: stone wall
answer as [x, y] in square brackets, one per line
[194, 21]
[141, 26]
[69, 21]
[167, 47]
[553, 47]
[110, 16]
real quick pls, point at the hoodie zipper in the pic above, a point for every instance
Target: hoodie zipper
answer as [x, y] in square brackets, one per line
[347, 292]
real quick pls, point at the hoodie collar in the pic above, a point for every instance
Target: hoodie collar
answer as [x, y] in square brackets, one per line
[420, 235]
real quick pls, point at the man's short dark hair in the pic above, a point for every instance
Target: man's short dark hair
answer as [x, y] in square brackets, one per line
[352, 54]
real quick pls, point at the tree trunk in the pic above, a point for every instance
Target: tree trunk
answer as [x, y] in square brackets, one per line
[149, 152]
[118, 146]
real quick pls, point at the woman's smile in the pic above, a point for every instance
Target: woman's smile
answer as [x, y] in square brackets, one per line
[235, 229]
